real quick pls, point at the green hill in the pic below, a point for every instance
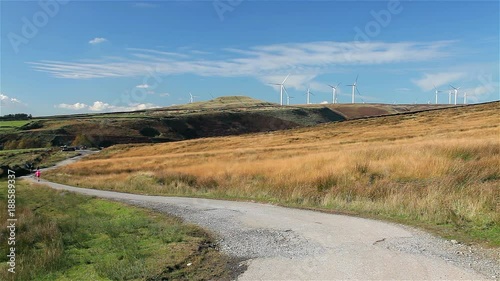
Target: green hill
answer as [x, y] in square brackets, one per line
[222, 116]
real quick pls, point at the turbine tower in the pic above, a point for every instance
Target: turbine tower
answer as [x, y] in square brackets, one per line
[334, 93]
[282, 87]
[465, 97]
[449, 97]
[191, 98]
[309, 96]
[288, 98]
[456, 93]
[354, 87]
[437, 91]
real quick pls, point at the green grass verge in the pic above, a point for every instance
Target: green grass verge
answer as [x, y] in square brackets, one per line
[65, 236]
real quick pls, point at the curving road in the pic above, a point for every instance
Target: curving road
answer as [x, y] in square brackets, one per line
[284, 243]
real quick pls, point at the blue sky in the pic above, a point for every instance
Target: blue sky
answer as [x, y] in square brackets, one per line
[60, 57]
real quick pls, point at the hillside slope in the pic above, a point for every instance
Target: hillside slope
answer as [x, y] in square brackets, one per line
[439, 169]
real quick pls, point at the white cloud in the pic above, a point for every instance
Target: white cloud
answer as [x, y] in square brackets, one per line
[8, 101]
[75, 106]
[9, 104]
[428, 82]
[164, 95]
[99, 106]
[142, 86]
[97, 40]
[309, 59]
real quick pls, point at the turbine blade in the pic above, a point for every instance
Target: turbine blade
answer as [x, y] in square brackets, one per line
[330, 86]
[285, 79]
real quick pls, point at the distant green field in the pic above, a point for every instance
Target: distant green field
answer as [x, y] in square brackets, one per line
[118, 115]
[11, 125]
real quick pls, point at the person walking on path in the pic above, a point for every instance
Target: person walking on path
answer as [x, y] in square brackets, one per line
[38, 174]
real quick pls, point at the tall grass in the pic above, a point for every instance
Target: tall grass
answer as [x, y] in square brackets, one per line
[436, 168]
[64, 236]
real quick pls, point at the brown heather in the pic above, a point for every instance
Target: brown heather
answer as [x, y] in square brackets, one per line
[435, 169]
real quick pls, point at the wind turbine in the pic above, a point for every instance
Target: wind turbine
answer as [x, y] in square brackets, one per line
[449, 97]
[288, 98]
[437, 91]
[282, 87]
[334, 92]
[456, 93]
[465, 97]
[309, 96]
[354, 87]
[191, 97]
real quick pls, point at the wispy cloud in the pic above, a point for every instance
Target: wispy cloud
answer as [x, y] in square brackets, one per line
[308, 59]
[144, 5]
[296, 81]
[402, 89]
[430, 80]
[99, 106]
[97, 40]
[142, 86]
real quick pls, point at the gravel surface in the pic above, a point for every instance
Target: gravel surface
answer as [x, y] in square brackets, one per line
[245, 242]
[485, 261]
[237, 239]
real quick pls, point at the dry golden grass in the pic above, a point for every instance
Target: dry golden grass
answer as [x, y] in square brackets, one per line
[433, 168]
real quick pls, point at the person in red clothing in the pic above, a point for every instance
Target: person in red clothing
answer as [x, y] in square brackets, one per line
[38, 174]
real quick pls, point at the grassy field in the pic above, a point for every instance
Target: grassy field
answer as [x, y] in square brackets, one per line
[64, 236]
[6, 126]
[438, 170]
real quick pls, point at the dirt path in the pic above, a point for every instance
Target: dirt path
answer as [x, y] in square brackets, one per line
[283, 243]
